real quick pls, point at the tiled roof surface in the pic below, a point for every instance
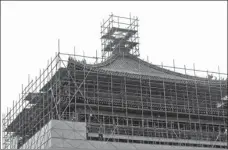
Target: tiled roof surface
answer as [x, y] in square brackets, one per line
[130, 65]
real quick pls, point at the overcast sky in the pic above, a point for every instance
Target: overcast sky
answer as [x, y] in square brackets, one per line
[189, 32]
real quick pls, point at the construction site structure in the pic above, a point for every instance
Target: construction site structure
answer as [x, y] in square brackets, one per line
[119, 101]
[119, 34]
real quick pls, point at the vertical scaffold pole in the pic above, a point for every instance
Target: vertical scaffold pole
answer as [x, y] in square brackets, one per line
[221, 95]
[84, 88]
[197, 100]
[164, 98]
[75, 89]
[187, 97]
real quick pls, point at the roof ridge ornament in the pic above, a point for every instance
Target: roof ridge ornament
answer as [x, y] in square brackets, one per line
[119, 35]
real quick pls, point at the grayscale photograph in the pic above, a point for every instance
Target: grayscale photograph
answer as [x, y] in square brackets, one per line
[114, 75]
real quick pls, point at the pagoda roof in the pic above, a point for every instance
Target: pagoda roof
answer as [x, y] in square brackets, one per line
[132, 66]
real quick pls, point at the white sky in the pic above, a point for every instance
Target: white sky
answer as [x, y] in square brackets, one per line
[189, 32]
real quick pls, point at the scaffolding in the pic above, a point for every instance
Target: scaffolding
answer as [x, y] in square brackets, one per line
[120, 34]
[180, 107]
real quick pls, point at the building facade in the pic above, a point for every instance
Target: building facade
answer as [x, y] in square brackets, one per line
[118, 101]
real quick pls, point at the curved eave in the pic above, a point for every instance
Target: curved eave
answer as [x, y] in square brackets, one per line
[187, 80]
[106, 67]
